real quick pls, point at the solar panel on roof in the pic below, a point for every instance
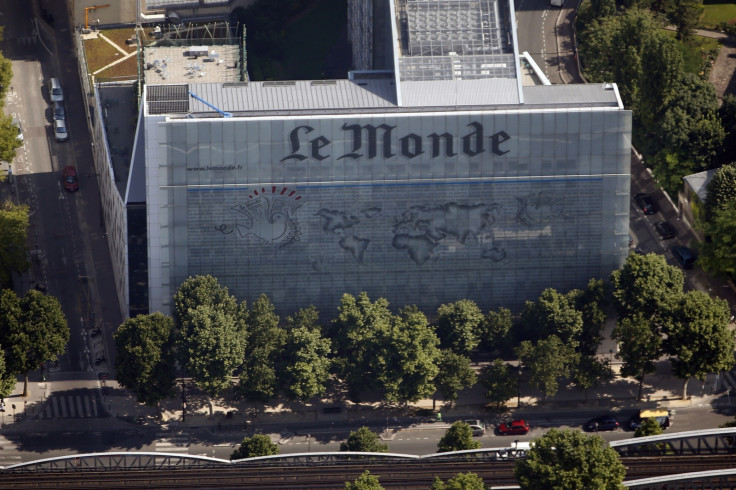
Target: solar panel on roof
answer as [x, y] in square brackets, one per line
[167, 99]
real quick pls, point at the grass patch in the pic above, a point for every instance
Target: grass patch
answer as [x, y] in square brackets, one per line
[125, 69]
[310, 39]
[99, 53]
[119, 36]
[715, 12]
[697, 53]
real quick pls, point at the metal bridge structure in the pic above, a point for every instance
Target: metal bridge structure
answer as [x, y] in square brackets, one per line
[694, 442]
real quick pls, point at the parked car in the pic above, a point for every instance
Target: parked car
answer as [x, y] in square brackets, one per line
[60, 132]
[16, 123]
[477, 427]
[58, 111]
[645, 203]
[603, 422]
[70, 178]
[665, 230]
[661, 416]
[684, 256]
[513, 428]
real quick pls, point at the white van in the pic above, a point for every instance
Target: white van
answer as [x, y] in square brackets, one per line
[55, 93]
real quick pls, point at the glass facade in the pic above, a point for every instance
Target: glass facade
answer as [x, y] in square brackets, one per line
[422, 208]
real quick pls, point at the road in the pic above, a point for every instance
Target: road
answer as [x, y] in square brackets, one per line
[551, 45]
[65, 227]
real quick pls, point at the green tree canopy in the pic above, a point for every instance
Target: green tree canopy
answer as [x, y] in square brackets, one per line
[649, 427]
[145, 357]
[211, 341]
[408, 365]
[461, 481]
[252, 447]
[718, 252]
[685, 15]
[355, 334]
[454, 374]
[698, 337]
[366, 481]
[457, 438]
[13, 236]
[7, 378]
[570, 459]
[548, 360]
[646, 285]
[305, 361]
[553, 314]
[495, 330]
[364, 440]
[721, 190]
[6, 76]
[640, 344]
[501, 382]
[458, 326]
[9, 141]
[34, 330]
[265, 342]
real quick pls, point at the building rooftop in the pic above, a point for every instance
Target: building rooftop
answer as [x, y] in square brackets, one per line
[183, 64]
[699, 183]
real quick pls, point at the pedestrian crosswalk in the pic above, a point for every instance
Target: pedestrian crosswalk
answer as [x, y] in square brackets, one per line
[172, 443]
[72, 406]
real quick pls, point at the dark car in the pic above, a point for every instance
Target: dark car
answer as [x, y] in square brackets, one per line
[514, 428]
[645, 203]
[684, 256]
[70, 179]
[604, 422]
[665, 230]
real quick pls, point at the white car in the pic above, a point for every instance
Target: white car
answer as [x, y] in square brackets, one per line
[60, 132]
[16, 122]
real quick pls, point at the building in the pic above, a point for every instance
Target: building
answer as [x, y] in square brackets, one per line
[430, 175]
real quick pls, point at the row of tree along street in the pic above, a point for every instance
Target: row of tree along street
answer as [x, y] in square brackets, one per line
[405, 357]
[679, 125]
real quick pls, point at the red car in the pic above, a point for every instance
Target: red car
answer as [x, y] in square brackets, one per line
[514, 428]
[70, 179]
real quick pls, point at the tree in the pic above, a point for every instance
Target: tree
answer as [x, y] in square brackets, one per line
[6, 75]
[366, 481]
[199, 291]
[211, 348]
[305, 362]
[721, 190]
[495, 330]
[145, 357]
[408, 365]
[9, 141]
[552, 314]
[501, 383]
[354, 334]
[461, 481]
[640, 344]
[13, 236]
[588, 372]
[718, 252]
[211, 342]
[458, 437]
[588, 302]
[458, 326]
[379, 350]
[646, 285]
[698, 337]
[252, 447]
[648, 427]
[34, 330]
[364, 440]
[570, 459]
[685, 15]
[265, 340]
[727, 114]
[548, 360]
[7, 379]
[454, 374]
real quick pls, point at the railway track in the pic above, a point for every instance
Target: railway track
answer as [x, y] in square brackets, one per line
[405, 475]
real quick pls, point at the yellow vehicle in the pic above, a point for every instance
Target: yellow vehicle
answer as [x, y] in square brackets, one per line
[660, 415]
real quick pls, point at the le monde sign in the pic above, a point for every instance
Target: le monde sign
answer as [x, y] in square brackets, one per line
[366, 141]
